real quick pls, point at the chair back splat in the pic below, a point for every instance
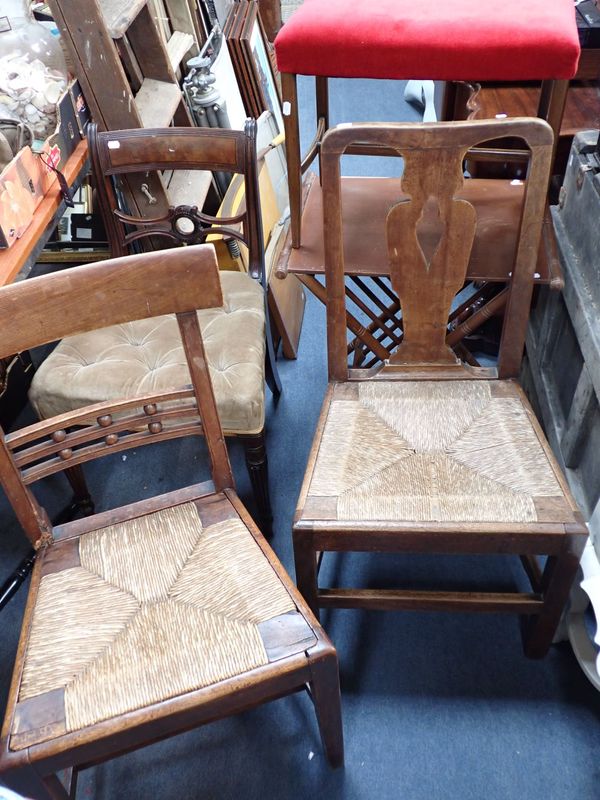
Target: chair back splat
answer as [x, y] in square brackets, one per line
[430, 233]
[45, 309]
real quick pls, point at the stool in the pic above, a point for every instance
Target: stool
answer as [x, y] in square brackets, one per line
[400, 39]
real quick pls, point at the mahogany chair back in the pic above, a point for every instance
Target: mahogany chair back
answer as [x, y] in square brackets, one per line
[44, 309]
[430, 235]
[115, 153]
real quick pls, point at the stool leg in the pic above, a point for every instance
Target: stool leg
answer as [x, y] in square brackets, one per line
[322, 88]
[553, 97]
[292, 152]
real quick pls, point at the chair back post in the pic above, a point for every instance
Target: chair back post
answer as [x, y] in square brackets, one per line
[516, 315]
[427, 270]
[337, 359]
[32, 517]
[213, 433]
[107, 199]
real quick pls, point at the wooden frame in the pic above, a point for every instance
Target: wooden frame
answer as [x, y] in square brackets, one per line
[255, 70]
[81, 299]
[426, 276]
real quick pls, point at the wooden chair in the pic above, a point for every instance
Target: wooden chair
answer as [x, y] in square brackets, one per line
[153, 618]
[238, 338]
[425, 454]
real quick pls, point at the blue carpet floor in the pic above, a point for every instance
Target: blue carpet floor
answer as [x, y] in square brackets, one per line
[436, 707]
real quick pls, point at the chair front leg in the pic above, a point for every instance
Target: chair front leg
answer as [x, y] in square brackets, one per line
[325, 692]
[258, 470]
[557, 579]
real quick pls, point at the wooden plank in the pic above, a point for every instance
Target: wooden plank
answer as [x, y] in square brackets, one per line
[96, 63]
[189, 187]
[177, 47]
[157, 102]
[396, 599]
[182, 19]
[119, 14]
[578, 421]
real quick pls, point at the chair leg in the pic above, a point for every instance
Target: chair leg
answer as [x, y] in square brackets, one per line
[28, 783]
[82, 502]
[271, 372]
[305, 560]
[325, 691]
[557, 579]
[258, 469]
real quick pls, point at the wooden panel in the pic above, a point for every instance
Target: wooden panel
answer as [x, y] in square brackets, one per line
[366, 202]
[286, 303]
[189, 187]
[428, 272]
[157, 102]
[213, 509]
[177, 47]
[60, 556]
[119, 14]
[39, 718]
[286, 635]
[96, 63]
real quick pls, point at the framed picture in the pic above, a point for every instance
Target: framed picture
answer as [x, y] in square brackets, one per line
[264, 71]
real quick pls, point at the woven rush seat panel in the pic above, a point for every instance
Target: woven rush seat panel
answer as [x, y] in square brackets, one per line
[459, 40]
[146, 356]
[436, 451]
[145, 610]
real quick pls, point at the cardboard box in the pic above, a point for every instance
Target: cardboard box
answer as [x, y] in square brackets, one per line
[31, 173]
[22, 188]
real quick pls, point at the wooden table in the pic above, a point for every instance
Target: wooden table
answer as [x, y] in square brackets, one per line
[373, 313]
[17, 261]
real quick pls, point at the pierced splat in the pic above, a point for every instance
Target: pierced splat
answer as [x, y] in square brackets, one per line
[429, 240]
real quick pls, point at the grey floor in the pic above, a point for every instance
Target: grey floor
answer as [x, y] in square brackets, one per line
[435, 706]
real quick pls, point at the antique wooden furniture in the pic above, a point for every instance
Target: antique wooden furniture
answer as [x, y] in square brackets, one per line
[373, 313]
[464, 40]
[152, 618]
[426, 454]
[146, 352]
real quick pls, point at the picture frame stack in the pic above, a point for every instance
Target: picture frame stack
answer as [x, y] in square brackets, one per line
[250, 51]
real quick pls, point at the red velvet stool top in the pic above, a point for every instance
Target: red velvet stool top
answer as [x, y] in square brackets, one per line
[452, 40]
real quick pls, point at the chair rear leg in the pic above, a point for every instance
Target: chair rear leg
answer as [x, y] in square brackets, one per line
[82, 502]
[557, 579]
[325, 692]
[305, 560]
[258, 470]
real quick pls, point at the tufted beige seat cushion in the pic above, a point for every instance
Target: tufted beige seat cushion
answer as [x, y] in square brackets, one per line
[146, 356]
